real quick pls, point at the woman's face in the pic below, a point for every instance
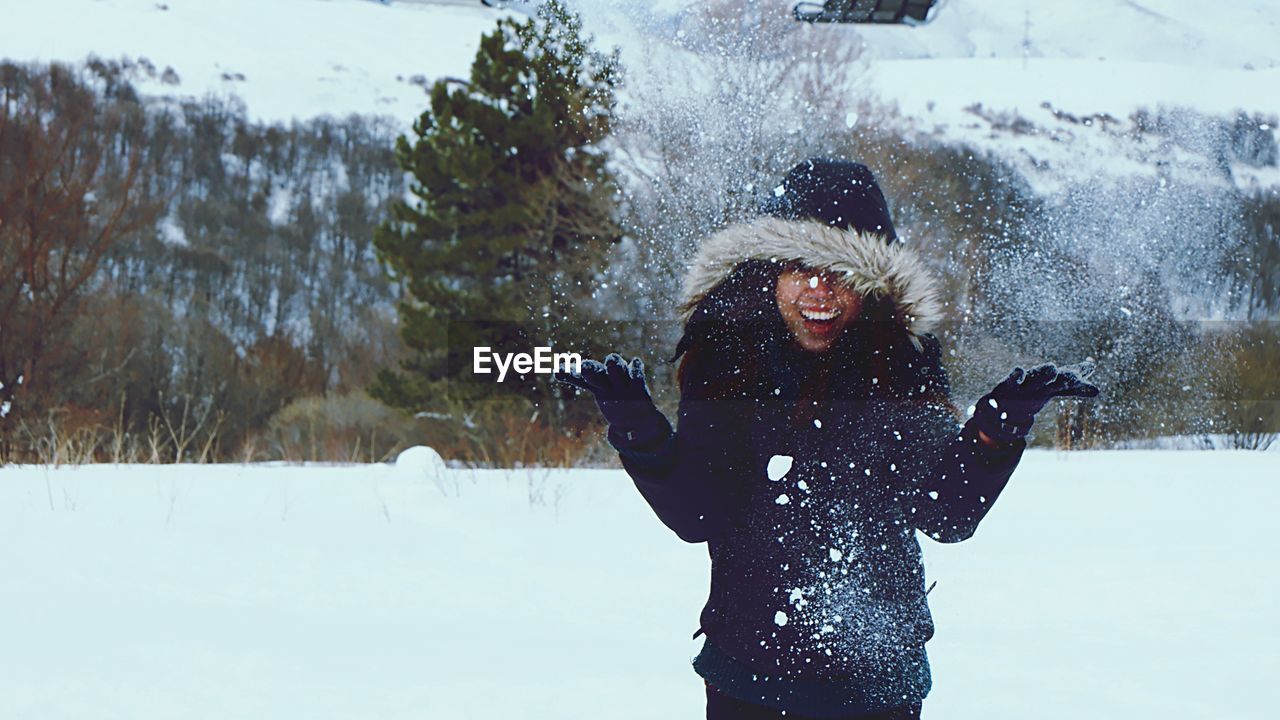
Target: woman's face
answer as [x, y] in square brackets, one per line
[816, 306]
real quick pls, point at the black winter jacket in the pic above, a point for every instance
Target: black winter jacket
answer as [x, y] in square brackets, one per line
[809, 500]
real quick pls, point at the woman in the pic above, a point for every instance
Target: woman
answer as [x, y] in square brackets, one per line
[816, 436]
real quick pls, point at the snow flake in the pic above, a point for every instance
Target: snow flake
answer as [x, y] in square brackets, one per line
[780, 618]
[835, 555]
[779, 466]
[783, 499]
[817, 423]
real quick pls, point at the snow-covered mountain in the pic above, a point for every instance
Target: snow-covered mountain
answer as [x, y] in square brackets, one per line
[308, 57]
[1053, 87]
[285, 58]
[1024, 78]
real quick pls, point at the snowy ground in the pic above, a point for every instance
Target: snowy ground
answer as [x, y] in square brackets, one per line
[1104, 585]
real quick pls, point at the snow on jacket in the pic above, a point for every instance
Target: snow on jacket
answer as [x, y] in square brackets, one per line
[808, 476]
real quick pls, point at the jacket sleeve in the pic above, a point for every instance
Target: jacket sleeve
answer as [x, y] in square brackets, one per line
[953, 477]
[685, 477]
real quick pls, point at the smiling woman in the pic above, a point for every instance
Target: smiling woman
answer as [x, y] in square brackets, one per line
[816, 436]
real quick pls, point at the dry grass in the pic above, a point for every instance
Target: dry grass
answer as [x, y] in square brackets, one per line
[505, 432]
[347, 428]
[64, 437]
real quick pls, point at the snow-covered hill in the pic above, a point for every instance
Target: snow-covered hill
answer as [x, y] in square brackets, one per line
[1053, 87]
[980, 67]
[1108, 585]
[306, 57]
[1068, 77]
[285, 58]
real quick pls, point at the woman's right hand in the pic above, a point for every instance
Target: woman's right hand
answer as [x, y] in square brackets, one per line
[623, 396]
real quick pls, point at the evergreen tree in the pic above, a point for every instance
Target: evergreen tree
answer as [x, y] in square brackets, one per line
[512, 209]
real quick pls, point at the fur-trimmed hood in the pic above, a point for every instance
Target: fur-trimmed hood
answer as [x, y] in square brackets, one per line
[872, 266]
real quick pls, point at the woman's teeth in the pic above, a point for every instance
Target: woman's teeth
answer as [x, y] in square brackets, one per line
[818, 314]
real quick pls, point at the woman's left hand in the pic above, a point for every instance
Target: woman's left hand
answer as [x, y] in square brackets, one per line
[1007, 412]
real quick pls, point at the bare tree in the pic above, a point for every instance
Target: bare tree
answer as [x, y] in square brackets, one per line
[72, 184]
[735, 95]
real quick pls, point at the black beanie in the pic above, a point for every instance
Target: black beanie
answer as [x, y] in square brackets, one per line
[840, 193]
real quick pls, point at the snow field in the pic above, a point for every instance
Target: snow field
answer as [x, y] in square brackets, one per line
[1107, 584]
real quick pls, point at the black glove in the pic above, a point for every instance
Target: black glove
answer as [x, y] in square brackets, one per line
[1005, 414]
[623, 397]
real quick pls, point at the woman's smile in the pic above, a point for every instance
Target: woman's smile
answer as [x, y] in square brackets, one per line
[816, 306]
[819, 314]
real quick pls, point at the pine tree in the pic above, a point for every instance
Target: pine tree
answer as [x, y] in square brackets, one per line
[512, 208]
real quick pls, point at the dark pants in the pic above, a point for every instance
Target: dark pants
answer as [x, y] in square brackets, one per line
[723, 707]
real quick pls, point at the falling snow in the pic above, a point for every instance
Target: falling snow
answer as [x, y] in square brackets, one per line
[779, 466]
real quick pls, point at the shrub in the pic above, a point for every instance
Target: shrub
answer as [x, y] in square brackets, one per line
[334, 428]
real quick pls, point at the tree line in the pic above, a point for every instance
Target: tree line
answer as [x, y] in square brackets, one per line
[178, 282]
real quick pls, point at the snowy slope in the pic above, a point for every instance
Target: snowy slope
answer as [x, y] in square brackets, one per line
[1226, 34]
[306, 57]
[1013, 59]
[1103, 585]
[298, 58]
[1038, 60]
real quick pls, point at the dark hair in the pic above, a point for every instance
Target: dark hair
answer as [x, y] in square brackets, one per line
[736, 330]
[738, 315]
